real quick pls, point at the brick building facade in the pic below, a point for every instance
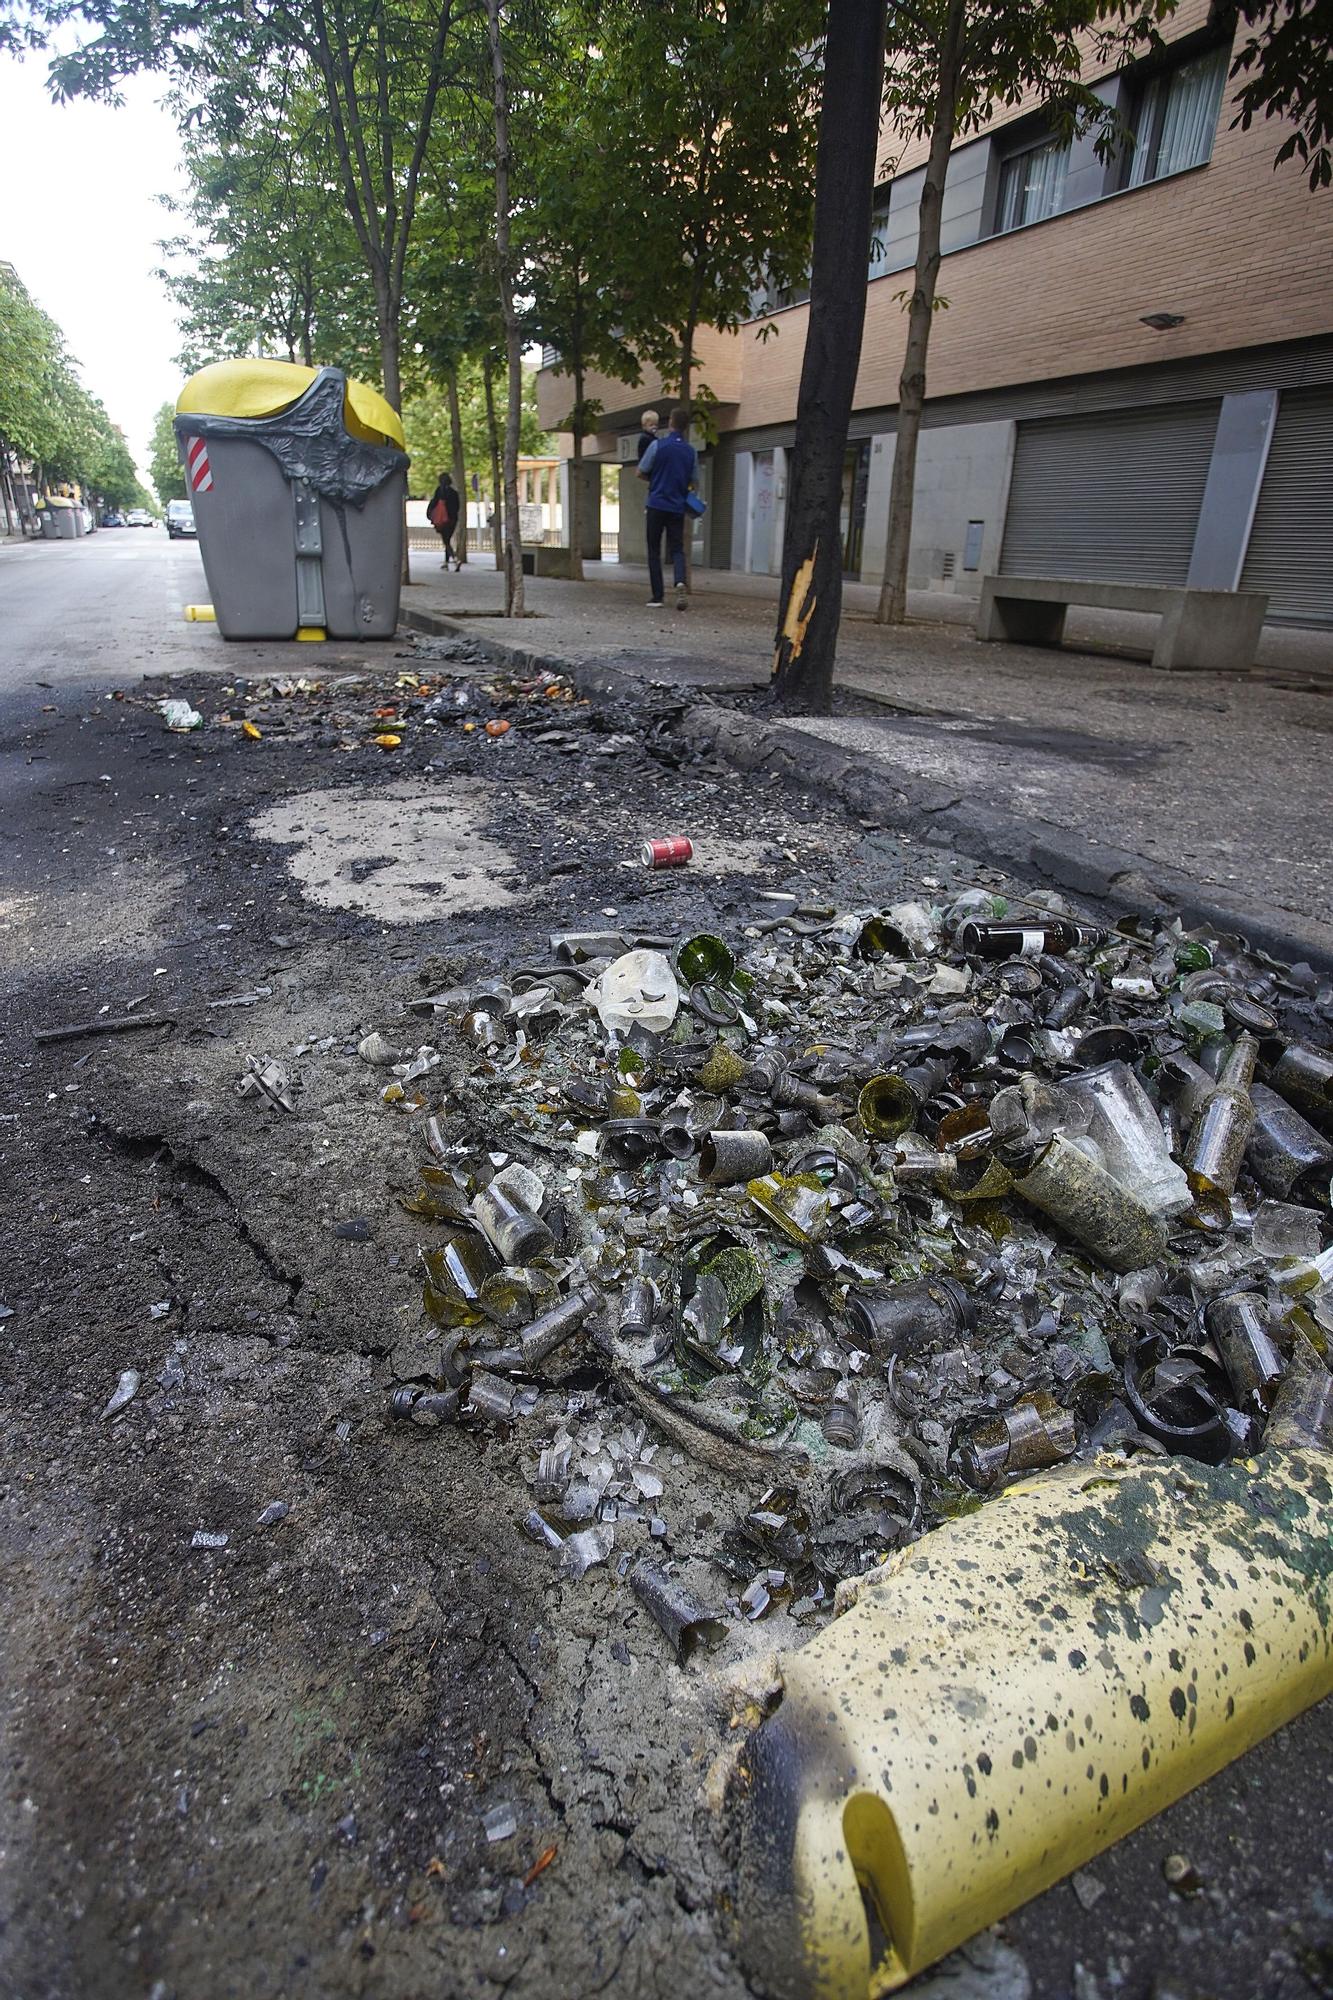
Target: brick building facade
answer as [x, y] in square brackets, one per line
[1064, 434]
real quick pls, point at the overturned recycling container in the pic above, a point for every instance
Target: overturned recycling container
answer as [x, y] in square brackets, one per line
[297, 477]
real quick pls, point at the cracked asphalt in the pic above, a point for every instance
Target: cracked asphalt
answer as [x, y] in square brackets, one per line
[262, 1767]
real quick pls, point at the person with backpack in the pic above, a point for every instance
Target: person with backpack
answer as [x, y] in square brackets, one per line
[442, 513]
[669, 465]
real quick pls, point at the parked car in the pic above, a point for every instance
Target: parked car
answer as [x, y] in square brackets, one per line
[138, 517]
[113, 518]
[180, 519]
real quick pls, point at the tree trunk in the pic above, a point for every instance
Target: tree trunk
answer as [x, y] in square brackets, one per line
[686, 393]
[7, 494]
[460, 463]
[574, 526]
[492, 431]
[513, 546]
[892, 609]
[811, 601]
[387, 317]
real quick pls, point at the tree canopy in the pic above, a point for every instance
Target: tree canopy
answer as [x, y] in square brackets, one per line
[429, 438]
[46, 414]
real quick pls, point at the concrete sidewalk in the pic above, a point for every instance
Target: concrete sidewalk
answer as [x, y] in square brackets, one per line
[1201, 791]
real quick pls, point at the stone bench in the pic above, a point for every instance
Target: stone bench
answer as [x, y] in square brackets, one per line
[1212, 630]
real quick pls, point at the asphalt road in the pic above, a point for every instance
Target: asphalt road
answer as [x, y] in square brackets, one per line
[259, 1771]
[110, 605]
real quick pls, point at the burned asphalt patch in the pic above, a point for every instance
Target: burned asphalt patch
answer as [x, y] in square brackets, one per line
[266, 1765]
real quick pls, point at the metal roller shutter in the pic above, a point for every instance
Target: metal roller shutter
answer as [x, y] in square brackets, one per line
[1113, 496]
[1291, 543]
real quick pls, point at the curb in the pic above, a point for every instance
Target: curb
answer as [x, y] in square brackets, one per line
[899, 799]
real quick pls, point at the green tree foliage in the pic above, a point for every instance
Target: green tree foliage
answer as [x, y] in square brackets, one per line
[112, 474]
[46, 414]
[580, 273]
[164, 466]
[374, 70]
[268, 262]
[1287, 63]
[429, 438]
[707, 111]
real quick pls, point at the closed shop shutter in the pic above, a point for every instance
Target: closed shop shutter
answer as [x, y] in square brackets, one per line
[1113, 496]
[1291, 543]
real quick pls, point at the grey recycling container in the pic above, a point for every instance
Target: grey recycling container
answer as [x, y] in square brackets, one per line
[297, 477]
[63, 516]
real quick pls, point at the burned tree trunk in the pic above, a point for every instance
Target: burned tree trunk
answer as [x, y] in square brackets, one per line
[811, 601]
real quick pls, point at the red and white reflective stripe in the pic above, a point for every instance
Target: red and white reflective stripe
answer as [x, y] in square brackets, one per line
[196, 458]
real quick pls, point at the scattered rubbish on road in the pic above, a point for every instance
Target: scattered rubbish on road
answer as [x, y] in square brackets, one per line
[252, 730]
[686, 1621]
[202, 1538]
[540, 1865]
[880, 1211]
[1180, 1874]
[244, 999]
[266, 1080]
[126, 1390]
[179, 715]
[80, 1029]
[500, 1823]
[673, 853]
[277, 1510]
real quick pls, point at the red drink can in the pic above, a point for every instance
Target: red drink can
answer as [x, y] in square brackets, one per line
[666, 853]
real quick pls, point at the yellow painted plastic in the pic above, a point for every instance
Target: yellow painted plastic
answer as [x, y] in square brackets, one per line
[1017, 1691]
[201, 614]
[311, 633]
[262, 388]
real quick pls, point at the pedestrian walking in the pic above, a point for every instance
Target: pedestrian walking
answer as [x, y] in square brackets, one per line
[443, 514]
[668, 464]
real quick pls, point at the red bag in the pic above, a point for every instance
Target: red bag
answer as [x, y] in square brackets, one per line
[438, 514]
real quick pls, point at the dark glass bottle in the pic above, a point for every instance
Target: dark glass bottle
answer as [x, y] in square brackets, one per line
[1222, 1128]
[1054, 934]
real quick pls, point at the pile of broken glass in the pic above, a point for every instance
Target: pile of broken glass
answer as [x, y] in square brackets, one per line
[876, 1211]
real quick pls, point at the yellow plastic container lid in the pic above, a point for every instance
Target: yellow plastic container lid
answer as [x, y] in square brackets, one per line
[261, 388]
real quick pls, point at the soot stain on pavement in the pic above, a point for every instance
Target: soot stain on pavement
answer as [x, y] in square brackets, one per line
[262, 1768]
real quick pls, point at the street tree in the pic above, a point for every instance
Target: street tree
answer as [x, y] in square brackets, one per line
[456, 316]
[580, 269]
[951, 64]
[811, 599]
[267, 261]
[376, 69]
[47, 417]
[164, 466]
[428, 423]
[507, 279]
[707, 113]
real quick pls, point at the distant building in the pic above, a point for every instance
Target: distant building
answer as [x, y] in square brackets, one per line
[1133, 378]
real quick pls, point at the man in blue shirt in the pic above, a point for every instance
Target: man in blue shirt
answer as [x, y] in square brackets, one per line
[669, 466]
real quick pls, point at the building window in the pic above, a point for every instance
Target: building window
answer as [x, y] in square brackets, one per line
[879, 233]
[770, 298]
[1032, 185]
[1176, 117]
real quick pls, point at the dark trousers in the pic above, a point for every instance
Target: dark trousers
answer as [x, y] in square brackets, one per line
[673, 526]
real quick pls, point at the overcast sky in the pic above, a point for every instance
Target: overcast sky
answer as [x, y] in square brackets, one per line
[80, 223]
